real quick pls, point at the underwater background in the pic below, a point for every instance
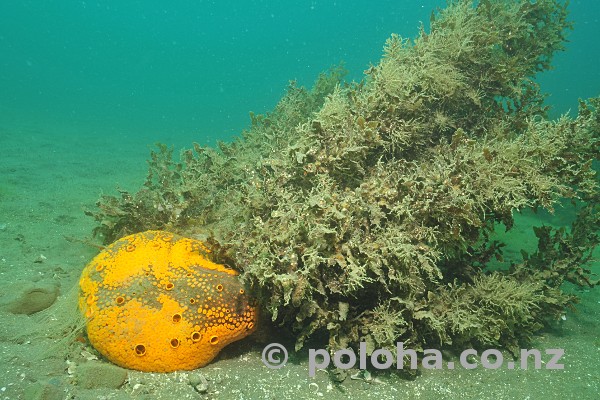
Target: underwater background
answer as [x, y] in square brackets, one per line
[192, 70]
[86, 87]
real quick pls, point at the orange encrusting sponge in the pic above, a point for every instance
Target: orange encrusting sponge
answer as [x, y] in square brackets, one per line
[154, 302]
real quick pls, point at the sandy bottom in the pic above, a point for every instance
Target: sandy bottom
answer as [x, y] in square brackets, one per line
[47, 180]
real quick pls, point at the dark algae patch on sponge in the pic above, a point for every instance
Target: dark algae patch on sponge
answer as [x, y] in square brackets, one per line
[365, 212]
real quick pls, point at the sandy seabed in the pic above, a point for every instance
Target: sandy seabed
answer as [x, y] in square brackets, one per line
[48, 179]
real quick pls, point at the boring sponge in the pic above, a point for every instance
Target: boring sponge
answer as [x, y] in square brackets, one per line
[154, 302]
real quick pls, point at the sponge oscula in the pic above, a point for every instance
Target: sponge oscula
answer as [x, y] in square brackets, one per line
[154, 302]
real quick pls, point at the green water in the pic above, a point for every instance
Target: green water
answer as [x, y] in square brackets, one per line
[192, 70]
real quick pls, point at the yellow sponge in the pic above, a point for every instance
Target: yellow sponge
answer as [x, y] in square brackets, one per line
[154, 302]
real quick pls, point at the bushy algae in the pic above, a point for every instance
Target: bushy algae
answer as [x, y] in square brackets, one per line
[365, 212]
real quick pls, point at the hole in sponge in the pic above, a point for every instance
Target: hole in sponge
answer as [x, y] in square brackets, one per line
[196, 336]
[140, 350]
[214, 339]
[169, 286]
[219, 287]
[174, 343]
[120, 300]
[176, 318]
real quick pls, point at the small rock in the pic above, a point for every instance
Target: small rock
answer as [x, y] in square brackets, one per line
[94, 375]
[28, 298]
[51, 390]
[201, 388]
[196, 378]
[198, 382]
[40, 259]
